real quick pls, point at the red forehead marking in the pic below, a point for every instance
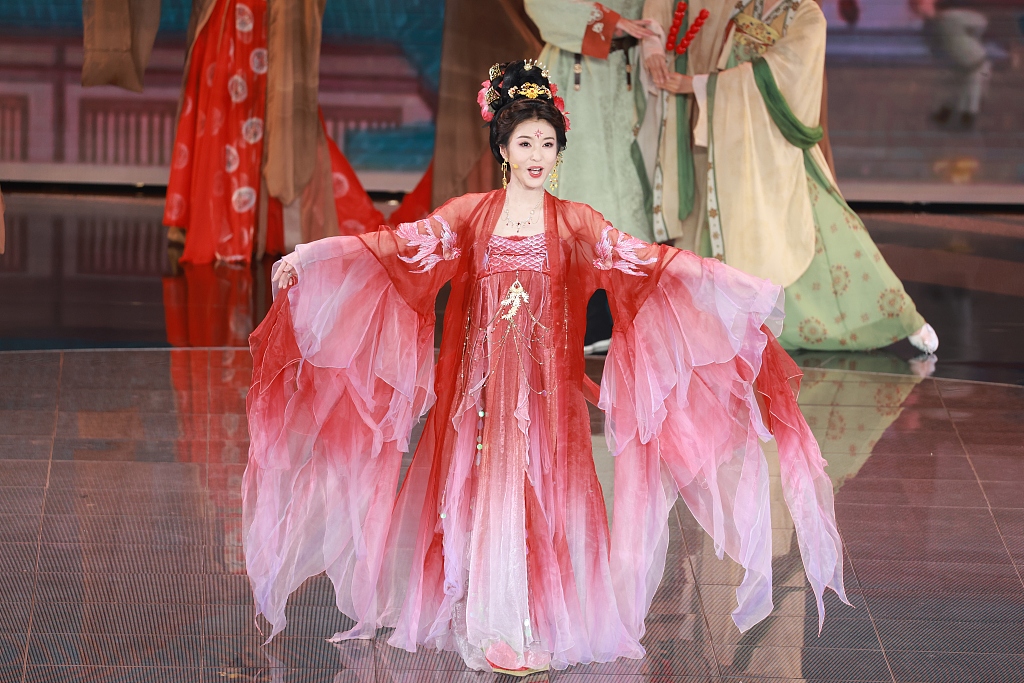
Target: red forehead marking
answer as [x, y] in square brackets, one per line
[538, 133]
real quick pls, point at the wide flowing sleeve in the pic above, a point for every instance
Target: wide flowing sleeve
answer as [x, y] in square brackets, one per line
[680, 393]
[343, 367]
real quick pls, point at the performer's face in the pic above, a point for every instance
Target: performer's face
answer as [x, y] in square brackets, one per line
[531, 152]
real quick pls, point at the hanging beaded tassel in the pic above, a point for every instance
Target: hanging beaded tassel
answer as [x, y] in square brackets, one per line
[684, 44]
[553, 178]
[480, 432]
[691, 33]
[673, 31]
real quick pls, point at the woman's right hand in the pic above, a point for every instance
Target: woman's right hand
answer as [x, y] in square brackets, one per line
[680, 84]
[288, 272]
[658, 69]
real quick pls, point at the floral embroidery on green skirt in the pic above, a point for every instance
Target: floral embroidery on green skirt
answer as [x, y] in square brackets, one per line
[848, 298]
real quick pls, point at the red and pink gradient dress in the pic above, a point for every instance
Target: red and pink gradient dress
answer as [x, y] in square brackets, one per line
[497, 544]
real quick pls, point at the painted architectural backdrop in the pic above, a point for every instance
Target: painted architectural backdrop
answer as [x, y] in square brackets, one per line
[379, 69]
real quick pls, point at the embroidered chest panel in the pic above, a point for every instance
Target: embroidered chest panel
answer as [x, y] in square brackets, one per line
[505, 254]
[756, 31]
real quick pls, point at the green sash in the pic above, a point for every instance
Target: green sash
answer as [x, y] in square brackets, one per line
[795, 132]
[684, 156]
[640, 100]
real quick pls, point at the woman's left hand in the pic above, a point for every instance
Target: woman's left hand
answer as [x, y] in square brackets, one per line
[633, 27]
[288, 272]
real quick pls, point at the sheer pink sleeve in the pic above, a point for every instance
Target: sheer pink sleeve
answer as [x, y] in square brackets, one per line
[680, 395]
[343, 367]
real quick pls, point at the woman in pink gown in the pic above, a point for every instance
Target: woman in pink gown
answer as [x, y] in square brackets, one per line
[497, 544]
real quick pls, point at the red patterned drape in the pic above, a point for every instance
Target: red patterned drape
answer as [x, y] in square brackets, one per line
[215, 176]
[356, 212]
[417, 204]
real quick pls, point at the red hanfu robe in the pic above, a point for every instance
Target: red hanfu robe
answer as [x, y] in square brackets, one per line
[497, 544]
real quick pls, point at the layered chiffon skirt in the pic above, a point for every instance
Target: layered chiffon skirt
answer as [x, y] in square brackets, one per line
[495, 547]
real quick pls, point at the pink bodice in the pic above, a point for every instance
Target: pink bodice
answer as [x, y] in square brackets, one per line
[505, 254]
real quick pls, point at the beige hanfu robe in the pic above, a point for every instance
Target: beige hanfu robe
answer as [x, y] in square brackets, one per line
[766, 200]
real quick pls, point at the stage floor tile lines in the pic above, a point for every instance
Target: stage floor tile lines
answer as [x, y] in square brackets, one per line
[136, 564]
[955, 667]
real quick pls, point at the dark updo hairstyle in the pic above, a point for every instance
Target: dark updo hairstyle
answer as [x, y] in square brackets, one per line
[512, 107]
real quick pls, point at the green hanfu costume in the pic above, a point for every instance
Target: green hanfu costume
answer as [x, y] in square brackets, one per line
[769, 204]
[596, 75]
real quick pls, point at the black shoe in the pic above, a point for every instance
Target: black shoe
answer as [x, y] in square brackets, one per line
[942, 116]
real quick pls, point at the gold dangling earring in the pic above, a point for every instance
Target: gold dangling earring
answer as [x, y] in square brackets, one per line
[504, 172]
[553, 177]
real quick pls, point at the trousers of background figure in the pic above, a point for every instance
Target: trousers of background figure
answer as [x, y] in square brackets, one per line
[954, 37]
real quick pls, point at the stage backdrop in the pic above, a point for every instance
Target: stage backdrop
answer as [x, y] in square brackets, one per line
[890, 74]
[380, 66]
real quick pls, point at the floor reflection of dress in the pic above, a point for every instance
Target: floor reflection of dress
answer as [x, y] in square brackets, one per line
[211, 305]
[848, 416]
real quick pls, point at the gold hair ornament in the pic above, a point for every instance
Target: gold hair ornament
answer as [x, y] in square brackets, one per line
[530, 63]
[530, 91]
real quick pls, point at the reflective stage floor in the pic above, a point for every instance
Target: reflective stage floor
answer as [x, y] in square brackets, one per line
[121, 558]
